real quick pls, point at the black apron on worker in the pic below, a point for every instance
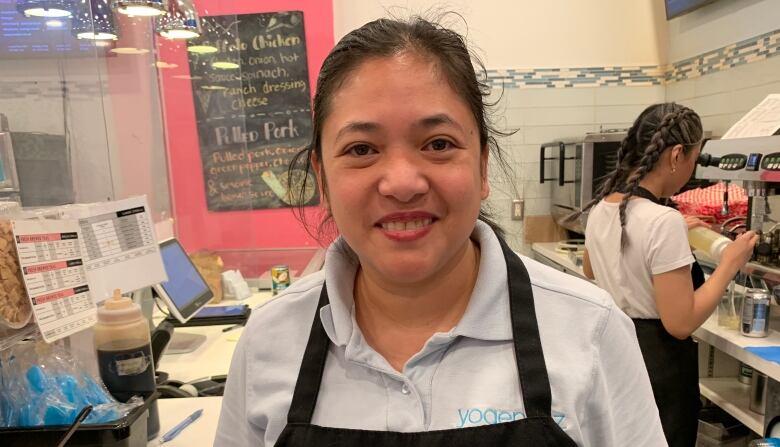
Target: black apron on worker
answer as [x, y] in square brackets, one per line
[673, 367]
[537, 429]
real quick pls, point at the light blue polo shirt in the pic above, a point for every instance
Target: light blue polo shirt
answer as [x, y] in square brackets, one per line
[601, 395]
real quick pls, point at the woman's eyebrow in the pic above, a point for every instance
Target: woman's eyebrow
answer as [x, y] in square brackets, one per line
[358, 126]
[427, 122]
[437, 120]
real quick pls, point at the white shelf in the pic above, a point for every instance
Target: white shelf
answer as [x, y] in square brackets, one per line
[734, 398]
[731, 342]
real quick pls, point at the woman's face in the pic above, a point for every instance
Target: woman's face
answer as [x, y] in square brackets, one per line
[404, 170]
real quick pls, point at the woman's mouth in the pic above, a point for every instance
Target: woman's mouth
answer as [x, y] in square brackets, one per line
[404, 227]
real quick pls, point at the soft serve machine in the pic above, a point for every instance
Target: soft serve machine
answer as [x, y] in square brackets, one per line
[756, 163]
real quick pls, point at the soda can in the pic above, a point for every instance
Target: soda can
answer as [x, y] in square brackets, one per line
[280, 278]
[755, 313]
[745, 373]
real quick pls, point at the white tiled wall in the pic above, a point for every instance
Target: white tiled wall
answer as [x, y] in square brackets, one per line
[722, 98]
[544, 115]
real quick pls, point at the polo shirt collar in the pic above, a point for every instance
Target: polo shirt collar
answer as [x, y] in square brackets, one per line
[487, 314]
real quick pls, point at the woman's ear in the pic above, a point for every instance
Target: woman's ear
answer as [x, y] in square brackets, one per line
[676, 156]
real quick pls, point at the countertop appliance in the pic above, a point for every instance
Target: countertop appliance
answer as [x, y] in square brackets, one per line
[756, 163]
[578, 168]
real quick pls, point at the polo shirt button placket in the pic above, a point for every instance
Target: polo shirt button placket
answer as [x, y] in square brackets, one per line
[405, 390]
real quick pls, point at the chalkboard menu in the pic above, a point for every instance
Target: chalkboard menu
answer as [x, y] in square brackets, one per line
[250, 85]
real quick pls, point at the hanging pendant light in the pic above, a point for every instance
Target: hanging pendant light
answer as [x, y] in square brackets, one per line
[203, 45]
[180, 22]
[141, 8]
[94, 21]
[45, 8]
[203, 48]
[228, 58]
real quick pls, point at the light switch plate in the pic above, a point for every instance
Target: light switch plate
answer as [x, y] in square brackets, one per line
[517, 209]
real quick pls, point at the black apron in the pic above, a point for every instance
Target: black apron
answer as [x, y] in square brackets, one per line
[537, 429]
[673, 367]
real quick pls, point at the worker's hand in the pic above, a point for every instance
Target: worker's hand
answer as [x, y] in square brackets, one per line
[739, 252]
[694, 222]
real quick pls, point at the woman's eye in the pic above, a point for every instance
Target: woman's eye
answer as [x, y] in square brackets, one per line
[359, 150]
[440, 144]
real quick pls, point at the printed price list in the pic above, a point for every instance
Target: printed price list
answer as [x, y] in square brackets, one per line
[63, 304]
[35, 248]
[57, 275]
[115, 234]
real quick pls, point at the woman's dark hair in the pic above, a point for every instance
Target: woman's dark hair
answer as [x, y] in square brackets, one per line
[658, 127]
[386, 38]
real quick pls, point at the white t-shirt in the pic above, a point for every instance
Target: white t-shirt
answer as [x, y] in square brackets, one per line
[656, 242]
[601, 395]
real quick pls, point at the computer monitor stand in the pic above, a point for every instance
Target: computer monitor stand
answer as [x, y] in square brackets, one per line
[183, 342]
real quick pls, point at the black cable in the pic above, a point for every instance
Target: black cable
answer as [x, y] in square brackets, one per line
[157, 303]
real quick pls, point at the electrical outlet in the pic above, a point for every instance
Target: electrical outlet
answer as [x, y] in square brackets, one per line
[517, 209]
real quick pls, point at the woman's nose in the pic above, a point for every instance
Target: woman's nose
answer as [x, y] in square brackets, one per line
[403, 177]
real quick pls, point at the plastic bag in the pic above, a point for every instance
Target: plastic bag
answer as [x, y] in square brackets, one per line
[42, 384]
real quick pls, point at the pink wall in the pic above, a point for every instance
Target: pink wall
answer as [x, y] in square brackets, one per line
[196, 227]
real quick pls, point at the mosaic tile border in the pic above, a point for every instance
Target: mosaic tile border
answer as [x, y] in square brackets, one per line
[750, 50]
[576, 77]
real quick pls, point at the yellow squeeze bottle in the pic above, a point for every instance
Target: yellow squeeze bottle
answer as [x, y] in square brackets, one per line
[708, 241]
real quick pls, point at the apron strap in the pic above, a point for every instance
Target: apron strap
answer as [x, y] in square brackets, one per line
[531, 368]
[307, 387]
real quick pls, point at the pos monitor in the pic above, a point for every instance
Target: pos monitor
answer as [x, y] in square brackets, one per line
[186, 291]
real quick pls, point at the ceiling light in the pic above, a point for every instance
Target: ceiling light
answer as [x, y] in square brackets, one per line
[45, 8]
[202, 49]
[94, 21]
[225, 65]
[129, 50]
[142, 8]
[54, 23]
[179, 23]
[96, 36]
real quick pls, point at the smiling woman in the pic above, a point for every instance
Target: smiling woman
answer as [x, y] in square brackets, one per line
[422, 314]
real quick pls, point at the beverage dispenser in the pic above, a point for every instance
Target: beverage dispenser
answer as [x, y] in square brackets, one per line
[756, 163]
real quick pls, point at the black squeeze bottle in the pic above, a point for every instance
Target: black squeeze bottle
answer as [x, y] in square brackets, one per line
[124, 353]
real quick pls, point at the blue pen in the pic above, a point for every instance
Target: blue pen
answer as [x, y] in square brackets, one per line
[174, 432]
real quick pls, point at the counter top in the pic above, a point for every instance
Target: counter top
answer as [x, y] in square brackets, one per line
[200, 432]
[548, 250]
[213, 357]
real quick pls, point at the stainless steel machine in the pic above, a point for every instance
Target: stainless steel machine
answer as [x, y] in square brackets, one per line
[756, 163]
[578, 167]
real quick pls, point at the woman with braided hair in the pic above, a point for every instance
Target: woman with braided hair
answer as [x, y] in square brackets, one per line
[637, 249]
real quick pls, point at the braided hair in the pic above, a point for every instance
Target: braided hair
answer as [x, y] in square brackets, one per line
[658, 127]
